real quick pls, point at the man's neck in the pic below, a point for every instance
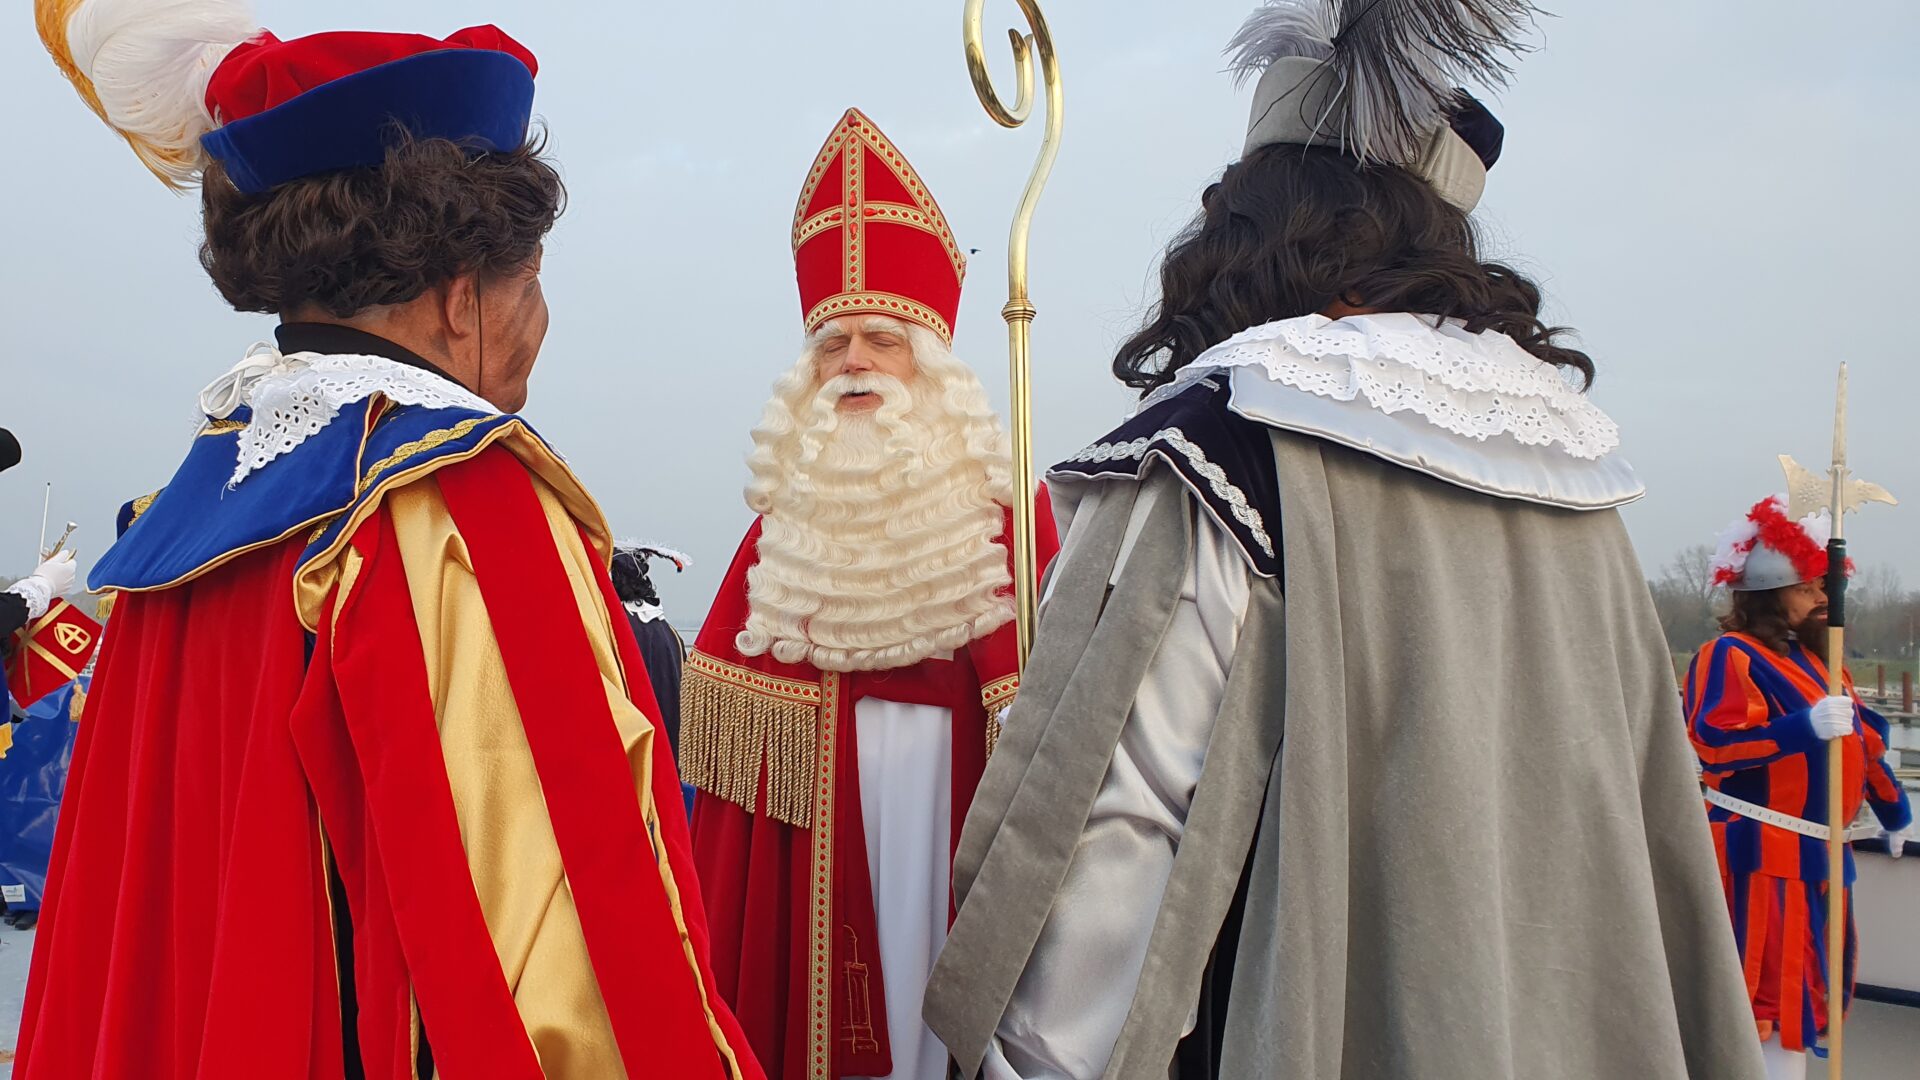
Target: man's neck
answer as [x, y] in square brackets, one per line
[342, 339]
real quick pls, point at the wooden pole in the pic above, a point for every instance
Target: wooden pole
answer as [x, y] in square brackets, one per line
[1837, 906]
[1837, 836]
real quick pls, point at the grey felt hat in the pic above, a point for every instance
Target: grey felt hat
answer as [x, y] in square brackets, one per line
[1378, 79]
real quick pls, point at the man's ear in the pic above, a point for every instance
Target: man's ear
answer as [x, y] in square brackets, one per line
[460, 307]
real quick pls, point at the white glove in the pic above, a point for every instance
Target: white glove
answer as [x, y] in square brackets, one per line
[54, 577]
[1833, 717]
[1897, 841]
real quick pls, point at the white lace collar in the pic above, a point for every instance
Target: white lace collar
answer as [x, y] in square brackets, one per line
[1480, 386]
[295, 395]
[644, 611]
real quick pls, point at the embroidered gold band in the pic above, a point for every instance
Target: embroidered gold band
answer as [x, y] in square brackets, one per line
[995, 696]
[140, 506]
[429, 441]
[894, 213]
[401, 454]
[820, 915]
[878, 303]
[999, 693]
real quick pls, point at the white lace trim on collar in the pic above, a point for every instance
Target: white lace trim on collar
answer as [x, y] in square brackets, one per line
[1474, 385]
[644, 611]
[295, 396]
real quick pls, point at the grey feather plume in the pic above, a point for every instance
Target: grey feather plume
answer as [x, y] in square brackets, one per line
[1283, 28]
[1397, 62]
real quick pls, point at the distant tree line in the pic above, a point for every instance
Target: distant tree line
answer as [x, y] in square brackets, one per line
[1882, 615]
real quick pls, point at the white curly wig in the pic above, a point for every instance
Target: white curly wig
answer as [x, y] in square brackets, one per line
[878, 543]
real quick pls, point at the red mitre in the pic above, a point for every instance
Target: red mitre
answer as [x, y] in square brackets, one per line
[868, 237]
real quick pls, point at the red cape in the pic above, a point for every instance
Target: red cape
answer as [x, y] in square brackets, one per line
[187, 929]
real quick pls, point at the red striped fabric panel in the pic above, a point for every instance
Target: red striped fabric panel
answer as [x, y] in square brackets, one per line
[470, 1016]
[631, 935]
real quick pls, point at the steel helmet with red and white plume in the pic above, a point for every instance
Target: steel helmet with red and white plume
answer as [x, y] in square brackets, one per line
[189, 82]
[1766, 549]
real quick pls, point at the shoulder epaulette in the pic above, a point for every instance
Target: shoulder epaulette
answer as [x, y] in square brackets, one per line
[198, 522]
[201, 521]
[406, 443]
[1224, 458]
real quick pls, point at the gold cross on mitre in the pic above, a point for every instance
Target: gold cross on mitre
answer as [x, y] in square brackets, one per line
[1809, 492]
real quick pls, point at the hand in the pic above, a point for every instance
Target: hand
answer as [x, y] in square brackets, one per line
[1897, 841]
[58, 572]
[1833, 717]
[50, 579]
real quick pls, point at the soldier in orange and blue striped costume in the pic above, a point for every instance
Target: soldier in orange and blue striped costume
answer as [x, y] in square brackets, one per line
[1761, 722]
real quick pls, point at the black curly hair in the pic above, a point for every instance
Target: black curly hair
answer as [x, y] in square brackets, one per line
[631, 581]
[1292, 230]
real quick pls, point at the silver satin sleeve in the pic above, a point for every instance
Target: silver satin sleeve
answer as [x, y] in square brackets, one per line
[1069, 1006]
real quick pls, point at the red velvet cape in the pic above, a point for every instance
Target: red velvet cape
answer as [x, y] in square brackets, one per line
[187, 930]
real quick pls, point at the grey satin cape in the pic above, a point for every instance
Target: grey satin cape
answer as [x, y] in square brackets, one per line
[1451, 761]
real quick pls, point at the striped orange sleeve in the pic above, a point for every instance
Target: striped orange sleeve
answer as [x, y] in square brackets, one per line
[1884, 790]
[1731, 722]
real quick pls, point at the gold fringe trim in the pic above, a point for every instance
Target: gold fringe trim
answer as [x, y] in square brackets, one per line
[734, 721]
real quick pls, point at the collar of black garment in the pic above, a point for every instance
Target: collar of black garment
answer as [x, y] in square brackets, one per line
[333, 339]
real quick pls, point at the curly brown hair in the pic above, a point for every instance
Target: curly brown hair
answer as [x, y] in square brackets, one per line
[354, 239]
[1291, 230]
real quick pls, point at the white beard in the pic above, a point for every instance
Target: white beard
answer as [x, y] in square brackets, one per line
[877, 547]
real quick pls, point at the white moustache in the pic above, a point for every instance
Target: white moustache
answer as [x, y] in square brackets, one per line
[889, 388]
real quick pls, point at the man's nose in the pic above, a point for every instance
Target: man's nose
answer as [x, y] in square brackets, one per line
[857, 359]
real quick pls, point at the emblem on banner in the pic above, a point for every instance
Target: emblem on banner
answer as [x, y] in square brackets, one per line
[50, 653]
[72, 638]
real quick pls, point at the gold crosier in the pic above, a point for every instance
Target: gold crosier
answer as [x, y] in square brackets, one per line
[1019, 311]
[1808, 492]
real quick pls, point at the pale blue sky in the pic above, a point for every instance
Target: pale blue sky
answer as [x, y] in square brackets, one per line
[1716, 194]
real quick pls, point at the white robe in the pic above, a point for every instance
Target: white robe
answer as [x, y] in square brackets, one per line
[906, 803]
